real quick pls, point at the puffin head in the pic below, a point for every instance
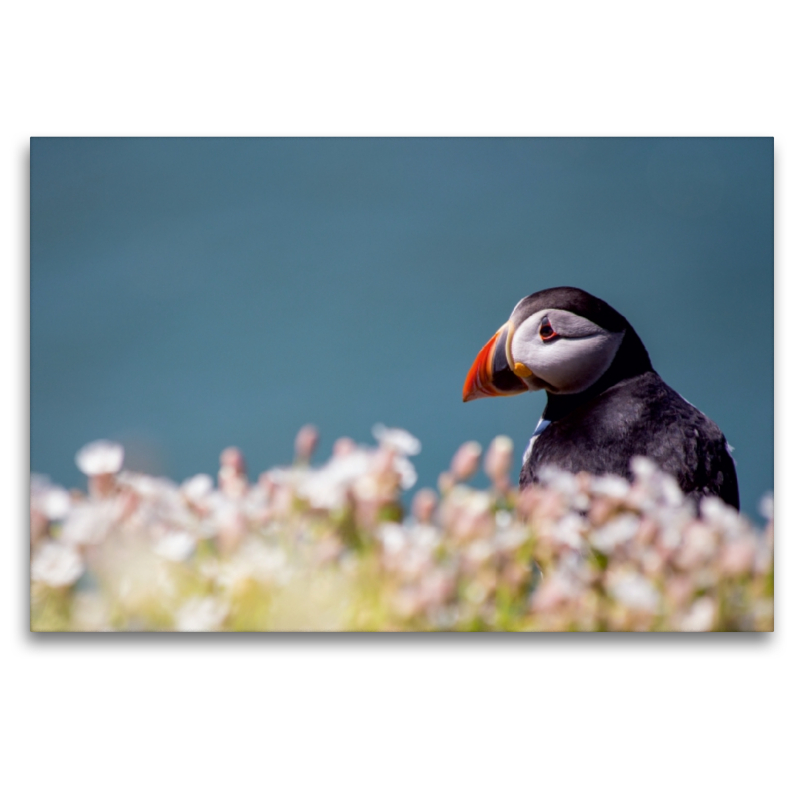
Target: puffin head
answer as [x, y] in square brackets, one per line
[563, 340]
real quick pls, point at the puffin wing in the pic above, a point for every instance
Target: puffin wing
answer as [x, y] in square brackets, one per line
[640, 416]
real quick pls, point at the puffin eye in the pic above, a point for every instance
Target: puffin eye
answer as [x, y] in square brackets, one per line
[546, 331]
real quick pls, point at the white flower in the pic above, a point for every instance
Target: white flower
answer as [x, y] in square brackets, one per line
[201, 614]
[256, 502]
[424, 536]
[557, 479]
[56, 565]
[398, 439]
[618, 530]
[265, 562]
[635, 591]
[720, 514]
[326, 487]
[89, 612]
[700, 616]
[643, 468]
[568, 530]
[393, 537]
[198, 488]
[162, 503]
[90, 523]
[53, 501]
[511, 537]
[345, 469]
[563, 583]
[503, 519]
[253, 561]
[471, 501]
[149, 486]
[659, 486]
[405, 469]
[56, 503]
[479, 551]
[100, 458]
[566, 484]
[613, 486]
[323, 490]
[177, 546]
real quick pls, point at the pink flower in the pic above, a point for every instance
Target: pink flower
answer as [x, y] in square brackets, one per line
[424, 504]
[498, 461]
[466, 461]
[232, 475]
[305, 443]
[738, 557]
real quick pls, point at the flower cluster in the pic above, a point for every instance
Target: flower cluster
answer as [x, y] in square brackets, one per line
[331, 548]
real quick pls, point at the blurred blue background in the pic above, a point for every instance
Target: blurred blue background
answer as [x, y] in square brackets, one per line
[190, 294]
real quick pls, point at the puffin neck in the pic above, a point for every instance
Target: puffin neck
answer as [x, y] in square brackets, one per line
[631, 360]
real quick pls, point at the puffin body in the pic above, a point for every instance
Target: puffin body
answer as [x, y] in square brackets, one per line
[605, 402]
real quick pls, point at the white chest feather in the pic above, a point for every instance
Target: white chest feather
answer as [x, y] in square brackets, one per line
[543, 423]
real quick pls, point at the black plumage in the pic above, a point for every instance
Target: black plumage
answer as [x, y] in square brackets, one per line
[628, 411]
[637, 416]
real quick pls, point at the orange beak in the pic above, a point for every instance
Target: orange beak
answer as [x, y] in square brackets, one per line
[491, 375]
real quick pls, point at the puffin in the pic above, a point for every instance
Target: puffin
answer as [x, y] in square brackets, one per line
[605, 402]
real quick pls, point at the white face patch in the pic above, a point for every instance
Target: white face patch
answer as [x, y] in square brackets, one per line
[573, 359]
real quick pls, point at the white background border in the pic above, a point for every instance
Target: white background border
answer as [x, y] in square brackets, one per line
[396, 716]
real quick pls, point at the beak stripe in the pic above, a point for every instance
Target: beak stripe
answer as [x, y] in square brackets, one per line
[491, 375]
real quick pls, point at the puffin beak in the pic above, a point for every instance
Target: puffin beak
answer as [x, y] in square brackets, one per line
[491, 375]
